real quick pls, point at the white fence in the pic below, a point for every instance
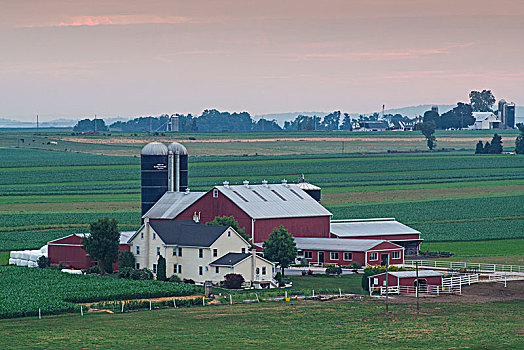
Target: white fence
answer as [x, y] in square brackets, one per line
[449, 285]
[466, 265]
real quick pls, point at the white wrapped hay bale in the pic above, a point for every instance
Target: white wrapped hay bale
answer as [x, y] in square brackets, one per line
[24, 255]
[34, 255]
[23, 262]
[32, 264]
[43, 251]
[12, 261]
[15, 254]
[72, 272]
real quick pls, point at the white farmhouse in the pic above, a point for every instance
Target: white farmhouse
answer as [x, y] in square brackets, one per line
[199, 252]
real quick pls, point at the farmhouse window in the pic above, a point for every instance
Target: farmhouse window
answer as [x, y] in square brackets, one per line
[154, 236]
[137, 266]
[395, 255]
[137, 250]
[179, 251]
[243, 250]
[157, 250]
[201, 253]
[258, 271]
[308, 255]
[373, 256]
[263, 270]
[200, 270]
[174, 251]
[174, 268]
[217, 269]
[215, 193]
[154, 268]
[348, 256]
[142, 235]
[215, 252]
[334, 256]
[179, 268]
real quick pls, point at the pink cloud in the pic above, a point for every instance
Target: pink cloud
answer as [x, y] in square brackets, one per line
[111, 20]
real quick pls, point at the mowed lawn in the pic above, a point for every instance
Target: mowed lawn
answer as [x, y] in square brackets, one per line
[346, 283]
[280, 325]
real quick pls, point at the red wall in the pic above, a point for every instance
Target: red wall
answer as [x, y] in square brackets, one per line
[74, 255]
[408, 281]
[360, 256]
[210, 207]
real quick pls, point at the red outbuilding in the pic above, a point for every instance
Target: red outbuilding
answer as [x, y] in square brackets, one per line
[407, 279]
[257, 208]
[68, 251]
[347, 251]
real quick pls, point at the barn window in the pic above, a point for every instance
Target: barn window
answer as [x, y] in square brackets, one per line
[137, 266]
[200, 270]
[154, 268]
[174, 251]
[215, 252]
[334, 255]
[217, 269]
[263, 270]
[179, 268]
[157, 250]
[137, 250]
[395, 255]
[373, 256]
[308, 255]
[348, 256]
[201, 253]
[179, 251]
[215, 193]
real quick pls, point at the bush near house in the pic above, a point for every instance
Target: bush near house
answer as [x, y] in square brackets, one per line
[233, 281]
[333, 270]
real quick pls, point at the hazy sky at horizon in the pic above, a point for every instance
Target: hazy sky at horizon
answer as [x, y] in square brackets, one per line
[70, 59]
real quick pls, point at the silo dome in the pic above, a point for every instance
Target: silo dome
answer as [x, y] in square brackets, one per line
[155, 149]
[177, 148]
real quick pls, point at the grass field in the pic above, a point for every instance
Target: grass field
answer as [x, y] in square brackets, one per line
[293, 325]
[448, 196]
[346, 283]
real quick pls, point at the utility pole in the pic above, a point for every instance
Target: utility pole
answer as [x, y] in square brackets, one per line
[37, 123]
[94, 124]
[342, 146]
[416, 285]
[387, 286]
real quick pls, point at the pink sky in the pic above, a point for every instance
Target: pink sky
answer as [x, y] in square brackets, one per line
[127, 58]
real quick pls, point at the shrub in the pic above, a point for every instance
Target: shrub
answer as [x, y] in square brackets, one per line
[125, 272]
[61, 265]
[141, 274]
[188, 281]
[93, 270]
[161, 269]
[233, 280]
[126, 259]
[43, 262]
[333, 270]
[355, 266]
[174, 278]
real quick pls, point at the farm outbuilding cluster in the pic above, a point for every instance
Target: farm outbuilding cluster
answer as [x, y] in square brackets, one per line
[174, 221]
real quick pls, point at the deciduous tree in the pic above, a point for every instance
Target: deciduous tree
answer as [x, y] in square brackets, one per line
[428, 130]
[280, 247]
[481, 101]
[103, 242]
[229, 221]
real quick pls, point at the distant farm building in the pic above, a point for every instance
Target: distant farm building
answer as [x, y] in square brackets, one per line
[408, 279]
[68, 250]
[486, 121]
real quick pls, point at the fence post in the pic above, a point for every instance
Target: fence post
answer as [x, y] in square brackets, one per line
[39, 314]
[122, 306]
[82, 310]
[174, 303]
[340, 293]
[258, 301]
[203, 301]
[150, 306]
[313, 293]
[230, 300]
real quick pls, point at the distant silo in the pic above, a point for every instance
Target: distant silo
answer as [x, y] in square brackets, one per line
[177, 167]
[154, 171]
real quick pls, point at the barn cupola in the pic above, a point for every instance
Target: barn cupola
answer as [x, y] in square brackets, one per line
[312, 190]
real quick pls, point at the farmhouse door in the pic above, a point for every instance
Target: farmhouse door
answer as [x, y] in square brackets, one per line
[320, 257]
[384, 259]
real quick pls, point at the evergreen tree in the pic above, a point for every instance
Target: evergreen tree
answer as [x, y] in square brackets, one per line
[161, 269]
[519, 141]
[480, 148]
[496, 144]
[487, 147]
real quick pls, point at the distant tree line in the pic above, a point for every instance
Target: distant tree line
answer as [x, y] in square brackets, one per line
[495, 147]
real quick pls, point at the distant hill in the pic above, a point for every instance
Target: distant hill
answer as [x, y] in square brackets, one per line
[55, 123]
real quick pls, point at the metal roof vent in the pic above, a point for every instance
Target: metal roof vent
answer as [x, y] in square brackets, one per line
[246, 183]
[226, 184]
[284, 182]
[264, 182]
[187, 191]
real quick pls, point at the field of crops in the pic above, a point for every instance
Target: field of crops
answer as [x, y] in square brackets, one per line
[447, 196]
[25, 290]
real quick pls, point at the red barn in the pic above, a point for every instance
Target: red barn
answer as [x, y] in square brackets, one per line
[408, 279]
[382, 229]
[257, 208]
[68, 250]
[345, 251]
